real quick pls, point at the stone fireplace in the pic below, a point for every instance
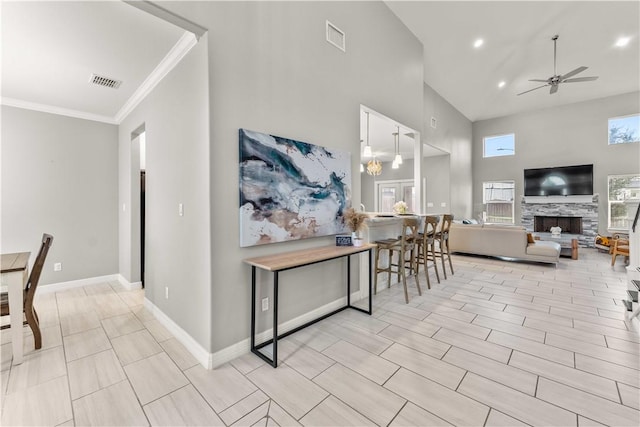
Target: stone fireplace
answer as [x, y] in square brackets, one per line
[577, 218]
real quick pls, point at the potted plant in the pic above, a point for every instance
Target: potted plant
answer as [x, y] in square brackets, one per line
[354, 220]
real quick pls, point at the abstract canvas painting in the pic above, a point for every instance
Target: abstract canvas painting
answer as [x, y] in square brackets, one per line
[290, 190]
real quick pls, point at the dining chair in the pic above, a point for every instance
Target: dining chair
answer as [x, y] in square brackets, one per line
[442, 237]
[426, 250]
[30, 292]
[405, 245]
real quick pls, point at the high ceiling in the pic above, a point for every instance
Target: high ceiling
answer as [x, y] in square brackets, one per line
[518, 47]
[50, 48]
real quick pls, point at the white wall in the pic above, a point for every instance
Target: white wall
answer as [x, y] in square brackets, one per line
[572, 134]
[60, 176]
[178, 255]
[271, 70]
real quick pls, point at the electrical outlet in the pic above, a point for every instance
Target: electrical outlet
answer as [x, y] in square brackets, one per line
[166, 292]
[443, 204]
[265, 304]
[57, 266]
[180, 209]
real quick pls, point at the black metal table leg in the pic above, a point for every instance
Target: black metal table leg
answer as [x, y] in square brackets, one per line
[275, 319]
[348, 281]
[253, 307]
[370, 282]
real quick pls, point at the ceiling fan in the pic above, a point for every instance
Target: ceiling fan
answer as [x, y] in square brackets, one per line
[555, 80]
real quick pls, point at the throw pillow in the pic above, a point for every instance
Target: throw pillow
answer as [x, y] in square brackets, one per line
[530, 238]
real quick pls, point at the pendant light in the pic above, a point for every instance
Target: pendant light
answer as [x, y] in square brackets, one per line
[398, 158]
[395, 164]
[367, 148]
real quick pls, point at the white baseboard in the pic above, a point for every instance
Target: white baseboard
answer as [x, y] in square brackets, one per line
[62, 286]
[206, 359]
[130, 286]
[200, 353]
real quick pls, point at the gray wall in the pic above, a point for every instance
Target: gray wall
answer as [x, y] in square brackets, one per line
[453, 134]
[175, 116]
[271, 70]
[60, 176]
[437, 171]
[562, 136]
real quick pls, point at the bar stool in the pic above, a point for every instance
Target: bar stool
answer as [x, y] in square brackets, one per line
[426, 248]
[403, 245]
[442, 237]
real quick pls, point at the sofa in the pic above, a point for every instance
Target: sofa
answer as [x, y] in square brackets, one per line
[501, 241]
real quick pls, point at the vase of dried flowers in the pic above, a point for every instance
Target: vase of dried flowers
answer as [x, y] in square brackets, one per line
[354, 220]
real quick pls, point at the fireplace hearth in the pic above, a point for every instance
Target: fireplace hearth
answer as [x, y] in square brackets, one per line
[569, 224]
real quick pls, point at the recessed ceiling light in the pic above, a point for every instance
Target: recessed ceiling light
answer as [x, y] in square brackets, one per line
[478, 43]
[623, 41]
[501, 84]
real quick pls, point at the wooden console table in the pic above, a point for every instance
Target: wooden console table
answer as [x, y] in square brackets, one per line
[290, 260]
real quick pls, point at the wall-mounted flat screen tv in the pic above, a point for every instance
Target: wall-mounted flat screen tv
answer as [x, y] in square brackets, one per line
[559, 181]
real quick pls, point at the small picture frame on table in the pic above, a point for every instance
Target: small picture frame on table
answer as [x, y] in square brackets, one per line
[344, 240]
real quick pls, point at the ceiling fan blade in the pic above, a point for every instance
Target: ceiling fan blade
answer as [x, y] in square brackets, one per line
[554, 89]
[573, 73]
[530, 90]
[580, 79]
[539, 80]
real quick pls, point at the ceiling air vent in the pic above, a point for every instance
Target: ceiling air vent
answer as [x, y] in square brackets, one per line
[104, 81]
[335, 36]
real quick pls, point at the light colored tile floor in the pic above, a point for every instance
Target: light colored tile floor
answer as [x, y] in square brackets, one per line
[496, 344]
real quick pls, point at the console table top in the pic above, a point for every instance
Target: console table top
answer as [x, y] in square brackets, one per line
[291, 259]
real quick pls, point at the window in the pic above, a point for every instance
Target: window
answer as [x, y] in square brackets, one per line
[500, 145]
[497, 197]
[625, 129]
[621, 189]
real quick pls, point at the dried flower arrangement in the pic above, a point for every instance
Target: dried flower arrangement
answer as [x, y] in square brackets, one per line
[354, 220]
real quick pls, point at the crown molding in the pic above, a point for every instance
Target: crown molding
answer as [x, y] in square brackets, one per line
[19, 103]
[173, 58]
[162, 13]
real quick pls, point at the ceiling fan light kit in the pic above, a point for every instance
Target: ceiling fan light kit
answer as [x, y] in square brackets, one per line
[556, 79]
